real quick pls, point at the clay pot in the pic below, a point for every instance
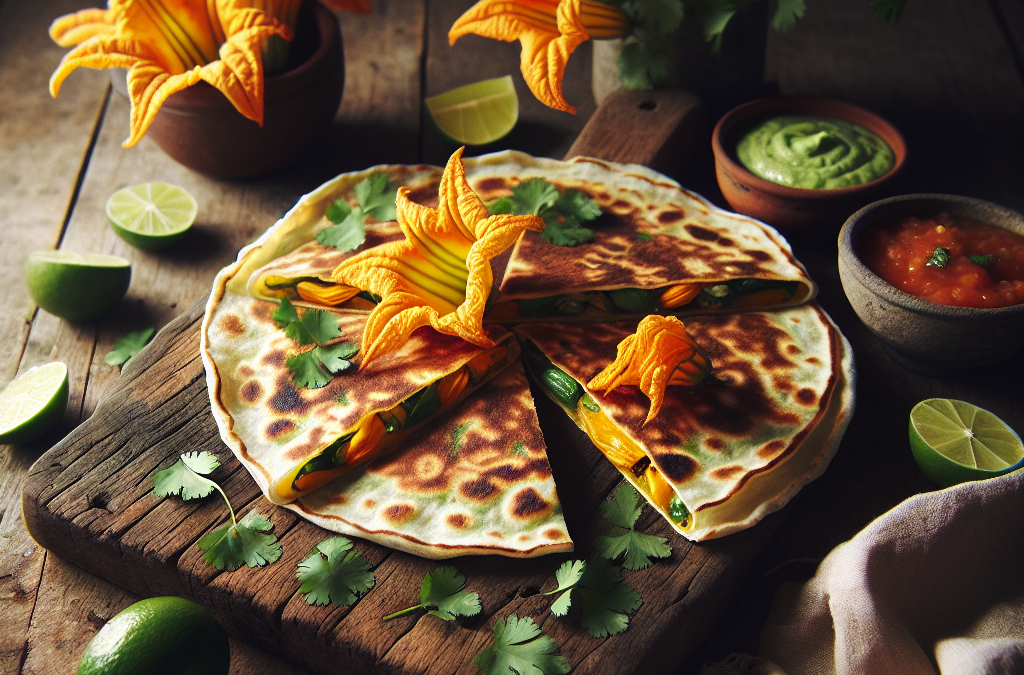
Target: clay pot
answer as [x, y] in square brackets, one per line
[788, 208]
[925, 337]
[199, 128]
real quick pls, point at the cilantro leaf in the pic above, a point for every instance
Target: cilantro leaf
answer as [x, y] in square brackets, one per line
[786, 14]
[566, 236]
[567, 576]
[333, 573]
[245, 542]
[128, 347]
[314, 327]
[306, 370]
[183, 477]
[562, 212]
[441, 595]
[644, 66]
[285, 314]
[887, 10]
[660, 15]
[622, 512]
[604, 599]
[375, 197]
[519, 647]
[337, 358]
[714, 23]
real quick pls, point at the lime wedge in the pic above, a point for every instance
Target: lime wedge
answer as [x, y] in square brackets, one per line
[954, 442]
[151, 216]
[478, 113]
[33, 404]
[76, 286]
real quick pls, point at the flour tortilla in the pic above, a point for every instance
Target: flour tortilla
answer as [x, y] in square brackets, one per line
[738, 450]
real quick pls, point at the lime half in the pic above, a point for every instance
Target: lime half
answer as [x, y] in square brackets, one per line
[158, 636]
[151, 216]
[76, 286]
[33, 404]
[954, 442]
[478, 113]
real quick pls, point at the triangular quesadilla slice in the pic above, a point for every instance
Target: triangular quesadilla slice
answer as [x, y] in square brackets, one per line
[719, 456]
[294, 439]
[474, 481]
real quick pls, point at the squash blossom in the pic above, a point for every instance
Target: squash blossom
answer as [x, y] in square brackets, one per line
[168, 45]
[440, 274]
[549, 31]
[660, 353]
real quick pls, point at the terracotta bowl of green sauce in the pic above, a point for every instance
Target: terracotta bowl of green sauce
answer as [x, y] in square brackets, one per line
[932, 339]
[825, 159]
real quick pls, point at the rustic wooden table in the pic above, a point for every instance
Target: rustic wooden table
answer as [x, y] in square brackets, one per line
[950, 76]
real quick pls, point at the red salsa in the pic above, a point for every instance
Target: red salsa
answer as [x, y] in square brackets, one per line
[949, 261]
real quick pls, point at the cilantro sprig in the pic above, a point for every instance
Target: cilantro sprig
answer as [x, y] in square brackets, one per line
[622, 512]
[247, 541]
[375, 198]
[519, 647]
[441, 595]
[604, 600]
[562, 213]
[334, 573]
[127, 347]
[313, 368]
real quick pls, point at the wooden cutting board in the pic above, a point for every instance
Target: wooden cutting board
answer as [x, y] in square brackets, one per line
[90, 499]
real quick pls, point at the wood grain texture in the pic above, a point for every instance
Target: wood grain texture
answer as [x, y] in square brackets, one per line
[91, 496]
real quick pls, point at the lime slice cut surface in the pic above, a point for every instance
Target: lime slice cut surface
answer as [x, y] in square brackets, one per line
[76, 286]
[33, 404]
[151, 216]
[954, 441]
[478, 113]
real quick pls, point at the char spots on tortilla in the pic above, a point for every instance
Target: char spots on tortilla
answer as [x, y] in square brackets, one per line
[726, 472]
[759, 256]
[458, 521]
[252, 391]
[714, 443]
[399, 513]
[480, 490]
[677, 467]
[528, 503]
[369, 504]
[554, 535]
[279, 428]
[232, 325]
[702, 233]
[670, 217]
[339, 499]
[807, 396]
[771, 448]
[783, 383]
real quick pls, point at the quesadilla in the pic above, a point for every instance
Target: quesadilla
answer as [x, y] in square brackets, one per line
[657, 248]
[474, 481]
[717, 457]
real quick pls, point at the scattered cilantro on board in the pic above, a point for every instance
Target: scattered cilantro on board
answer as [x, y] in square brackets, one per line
[442, 596]
[314, 368]
[247, 542]
[128, 347]
[375, 198]
[563, 213]
[597, 590]
[519, 647]
[334, 573]
[622, 512]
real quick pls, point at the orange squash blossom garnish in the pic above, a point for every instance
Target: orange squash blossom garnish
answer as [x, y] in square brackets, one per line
[549, 31]
[660, 353]
[440, 274]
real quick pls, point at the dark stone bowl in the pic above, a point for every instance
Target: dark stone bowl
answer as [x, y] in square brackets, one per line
[787, 208]
[928, 338]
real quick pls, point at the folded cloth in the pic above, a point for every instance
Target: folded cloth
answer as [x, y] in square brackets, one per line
[934, 585]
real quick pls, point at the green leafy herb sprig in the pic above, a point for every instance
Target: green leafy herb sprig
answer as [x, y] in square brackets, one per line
[563, 213]
[313, 368]
[334, 573]
[520, 648]
[622, 512]
[375, 198]
[605, 601]
[940, 257]
[650, 52]
[441, 595]
[247, 541]
[127, 347]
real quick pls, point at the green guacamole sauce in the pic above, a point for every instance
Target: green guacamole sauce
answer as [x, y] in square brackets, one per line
[814, 152]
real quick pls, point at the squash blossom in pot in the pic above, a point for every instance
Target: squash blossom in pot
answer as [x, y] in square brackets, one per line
[168, 45]
[549, 31]
[660, 353]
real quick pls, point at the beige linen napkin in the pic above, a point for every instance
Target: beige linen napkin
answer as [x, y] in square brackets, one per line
[936, 585]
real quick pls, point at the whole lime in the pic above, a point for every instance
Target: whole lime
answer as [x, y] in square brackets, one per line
[158, 636]
[76, 286]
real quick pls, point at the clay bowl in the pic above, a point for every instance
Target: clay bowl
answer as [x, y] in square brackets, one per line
[199, 128]
[925, 337]
[787, 208]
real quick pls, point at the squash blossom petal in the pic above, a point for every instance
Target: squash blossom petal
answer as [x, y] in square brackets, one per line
[440, 274]
[660, 353]
[168, 45]
[548, 30]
